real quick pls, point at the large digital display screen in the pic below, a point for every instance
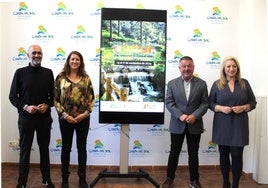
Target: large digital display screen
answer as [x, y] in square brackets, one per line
[132, 66]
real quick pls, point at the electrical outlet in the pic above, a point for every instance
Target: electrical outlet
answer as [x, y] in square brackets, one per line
[13, 143]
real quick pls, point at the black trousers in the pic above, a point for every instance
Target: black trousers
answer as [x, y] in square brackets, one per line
[27, 128]
[193, 141]
[225, 163]
[67, 132]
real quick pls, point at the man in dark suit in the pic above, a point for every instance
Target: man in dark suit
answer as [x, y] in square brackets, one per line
[187, 102]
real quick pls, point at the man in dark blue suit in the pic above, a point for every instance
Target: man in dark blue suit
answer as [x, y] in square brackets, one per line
[187, 102]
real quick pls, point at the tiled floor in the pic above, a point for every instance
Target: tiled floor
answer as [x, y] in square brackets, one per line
[210, 177]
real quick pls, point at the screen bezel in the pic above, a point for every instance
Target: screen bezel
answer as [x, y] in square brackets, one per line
[133, 117]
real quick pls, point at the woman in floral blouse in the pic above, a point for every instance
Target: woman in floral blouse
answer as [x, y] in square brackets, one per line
[74, 101]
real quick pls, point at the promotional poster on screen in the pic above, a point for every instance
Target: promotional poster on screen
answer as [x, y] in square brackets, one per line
[133, 61]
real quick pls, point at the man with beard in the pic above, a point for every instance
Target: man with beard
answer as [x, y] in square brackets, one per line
[31, 93]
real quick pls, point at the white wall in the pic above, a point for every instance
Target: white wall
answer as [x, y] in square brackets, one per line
[244, 35]
[253, 48]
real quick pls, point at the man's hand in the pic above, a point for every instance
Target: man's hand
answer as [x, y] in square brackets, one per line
[190, 119]
[32, 109]
[42, 108]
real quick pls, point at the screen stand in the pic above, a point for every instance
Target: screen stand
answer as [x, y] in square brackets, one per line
[123, 170]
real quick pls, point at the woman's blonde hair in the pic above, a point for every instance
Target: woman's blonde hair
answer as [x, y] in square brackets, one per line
[223, 80]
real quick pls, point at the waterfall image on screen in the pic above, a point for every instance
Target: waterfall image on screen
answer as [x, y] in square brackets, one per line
[133, 63]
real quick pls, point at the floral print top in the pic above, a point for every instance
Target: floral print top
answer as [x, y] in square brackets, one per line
[73, 98]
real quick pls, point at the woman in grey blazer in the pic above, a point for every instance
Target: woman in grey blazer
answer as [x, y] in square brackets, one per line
[187, 102]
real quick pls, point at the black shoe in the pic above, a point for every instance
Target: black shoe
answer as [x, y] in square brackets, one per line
[168, 183]
[83, 183]
[227, 185]
[195, 184]
[65, 185]
[48, 184]
[21, 185]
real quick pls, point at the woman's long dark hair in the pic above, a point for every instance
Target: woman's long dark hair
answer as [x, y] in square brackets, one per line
[81, 70]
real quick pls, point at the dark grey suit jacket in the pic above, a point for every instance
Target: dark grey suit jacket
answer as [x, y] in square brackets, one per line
[177, 104]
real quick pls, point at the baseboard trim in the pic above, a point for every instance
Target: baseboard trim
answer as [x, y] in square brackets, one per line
[130, 168]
